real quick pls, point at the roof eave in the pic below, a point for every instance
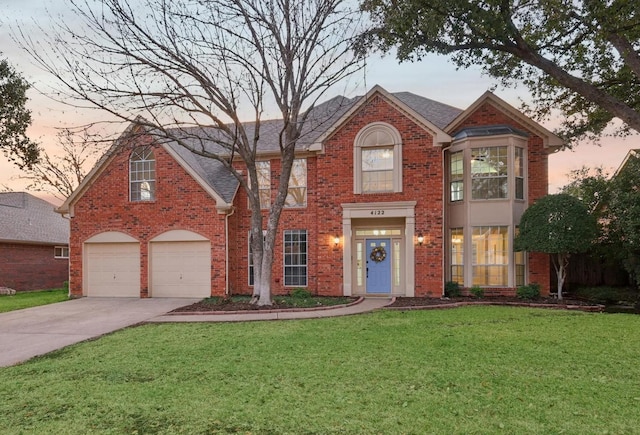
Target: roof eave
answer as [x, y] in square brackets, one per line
[550, 141]
[440, 137]
[221, 205]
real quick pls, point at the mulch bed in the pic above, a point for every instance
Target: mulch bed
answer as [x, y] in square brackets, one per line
[422, 303]
[401, 303]
[229, 305]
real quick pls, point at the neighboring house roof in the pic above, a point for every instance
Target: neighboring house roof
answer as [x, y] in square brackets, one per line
[27, 219]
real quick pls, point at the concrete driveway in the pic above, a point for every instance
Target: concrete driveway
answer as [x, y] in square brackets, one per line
[39, 330]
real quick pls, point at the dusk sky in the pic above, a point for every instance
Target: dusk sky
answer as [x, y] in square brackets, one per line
[433, 77]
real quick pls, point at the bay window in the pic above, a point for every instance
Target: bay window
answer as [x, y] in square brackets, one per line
[490, 255]
[489, 173]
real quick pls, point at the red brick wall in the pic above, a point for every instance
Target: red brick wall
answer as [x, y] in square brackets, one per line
[291, 219]
[31, 267]
[537, 182]
[330, 184]
[180, 204]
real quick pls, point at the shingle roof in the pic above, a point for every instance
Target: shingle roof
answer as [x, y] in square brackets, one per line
[27, 219]
[437, 113]
[210, 170]
[321, 118]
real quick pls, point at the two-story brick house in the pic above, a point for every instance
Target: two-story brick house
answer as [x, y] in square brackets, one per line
[391, 194]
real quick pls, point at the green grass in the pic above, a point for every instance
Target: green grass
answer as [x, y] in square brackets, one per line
[23, 300]
[473, 370]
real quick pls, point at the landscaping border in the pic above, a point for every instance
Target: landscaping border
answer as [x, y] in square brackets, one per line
[278, 310]
[586, 308]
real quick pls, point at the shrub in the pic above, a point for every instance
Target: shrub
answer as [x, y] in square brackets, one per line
[607, 295]
[300, 293]
[452, 289]
[531, 291]
[477, 291]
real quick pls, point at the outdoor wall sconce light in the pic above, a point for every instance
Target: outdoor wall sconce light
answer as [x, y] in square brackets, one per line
[336, 240]
[420, 239]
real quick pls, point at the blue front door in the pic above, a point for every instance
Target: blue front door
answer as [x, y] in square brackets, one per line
[378, 265]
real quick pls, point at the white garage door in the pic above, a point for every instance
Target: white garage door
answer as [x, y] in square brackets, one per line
[112, 269]
[180, 269]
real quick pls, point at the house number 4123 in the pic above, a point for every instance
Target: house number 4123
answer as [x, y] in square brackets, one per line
[377, 212]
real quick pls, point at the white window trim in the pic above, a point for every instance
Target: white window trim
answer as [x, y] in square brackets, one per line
[306, 185]
[359, 144]
[260, 190]
[152, 191]
[284, 266]
[62, 249]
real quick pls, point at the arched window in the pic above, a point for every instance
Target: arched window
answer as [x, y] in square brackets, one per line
[142, 175]
[378, 159]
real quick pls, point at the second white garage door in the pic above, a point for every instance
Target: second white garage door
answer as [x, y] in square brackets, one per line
[180, 269]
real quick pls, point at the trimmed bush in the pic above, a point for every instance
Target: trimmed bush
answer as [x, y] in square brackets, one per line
[528, 292]
[300, 293]
[607, 295]
[452, 289]
[477, 291]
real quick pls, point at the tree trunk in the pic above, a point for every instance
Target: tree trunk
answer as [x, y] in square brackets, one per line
[560, 262]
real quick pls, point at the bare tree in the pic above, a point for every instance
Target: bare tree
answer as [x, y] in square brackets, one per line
[60, 172]
[182, 64]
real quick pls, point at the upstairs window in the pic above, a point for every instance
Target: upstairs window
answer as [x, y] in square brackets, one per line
[456, 176]
[263, 170]
[519, 172]
[489, 173]
[142, 175]
[378, 159]
[377, 169]
[297, 193]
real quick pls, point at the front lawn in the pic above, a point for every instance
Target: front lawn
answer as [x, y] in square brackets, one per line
[462, 371]
[30, 299]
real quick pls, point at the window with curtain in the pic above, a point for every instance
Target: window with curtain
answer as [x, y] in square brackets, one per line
[297, 193]
[142, 175]
[457, 255]
[490, 255]
[489, 173]
[456, 176]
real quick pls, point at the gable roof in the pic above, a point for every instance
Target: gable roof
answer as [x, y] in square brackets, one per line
[27, 219]
[322, 121]
[431, 115]
[549, 139]
[212, 176]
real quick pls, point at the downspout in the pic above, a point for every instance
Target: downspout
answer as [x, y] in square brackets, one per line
[68, 217]
[227, 290]
[445, 217]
